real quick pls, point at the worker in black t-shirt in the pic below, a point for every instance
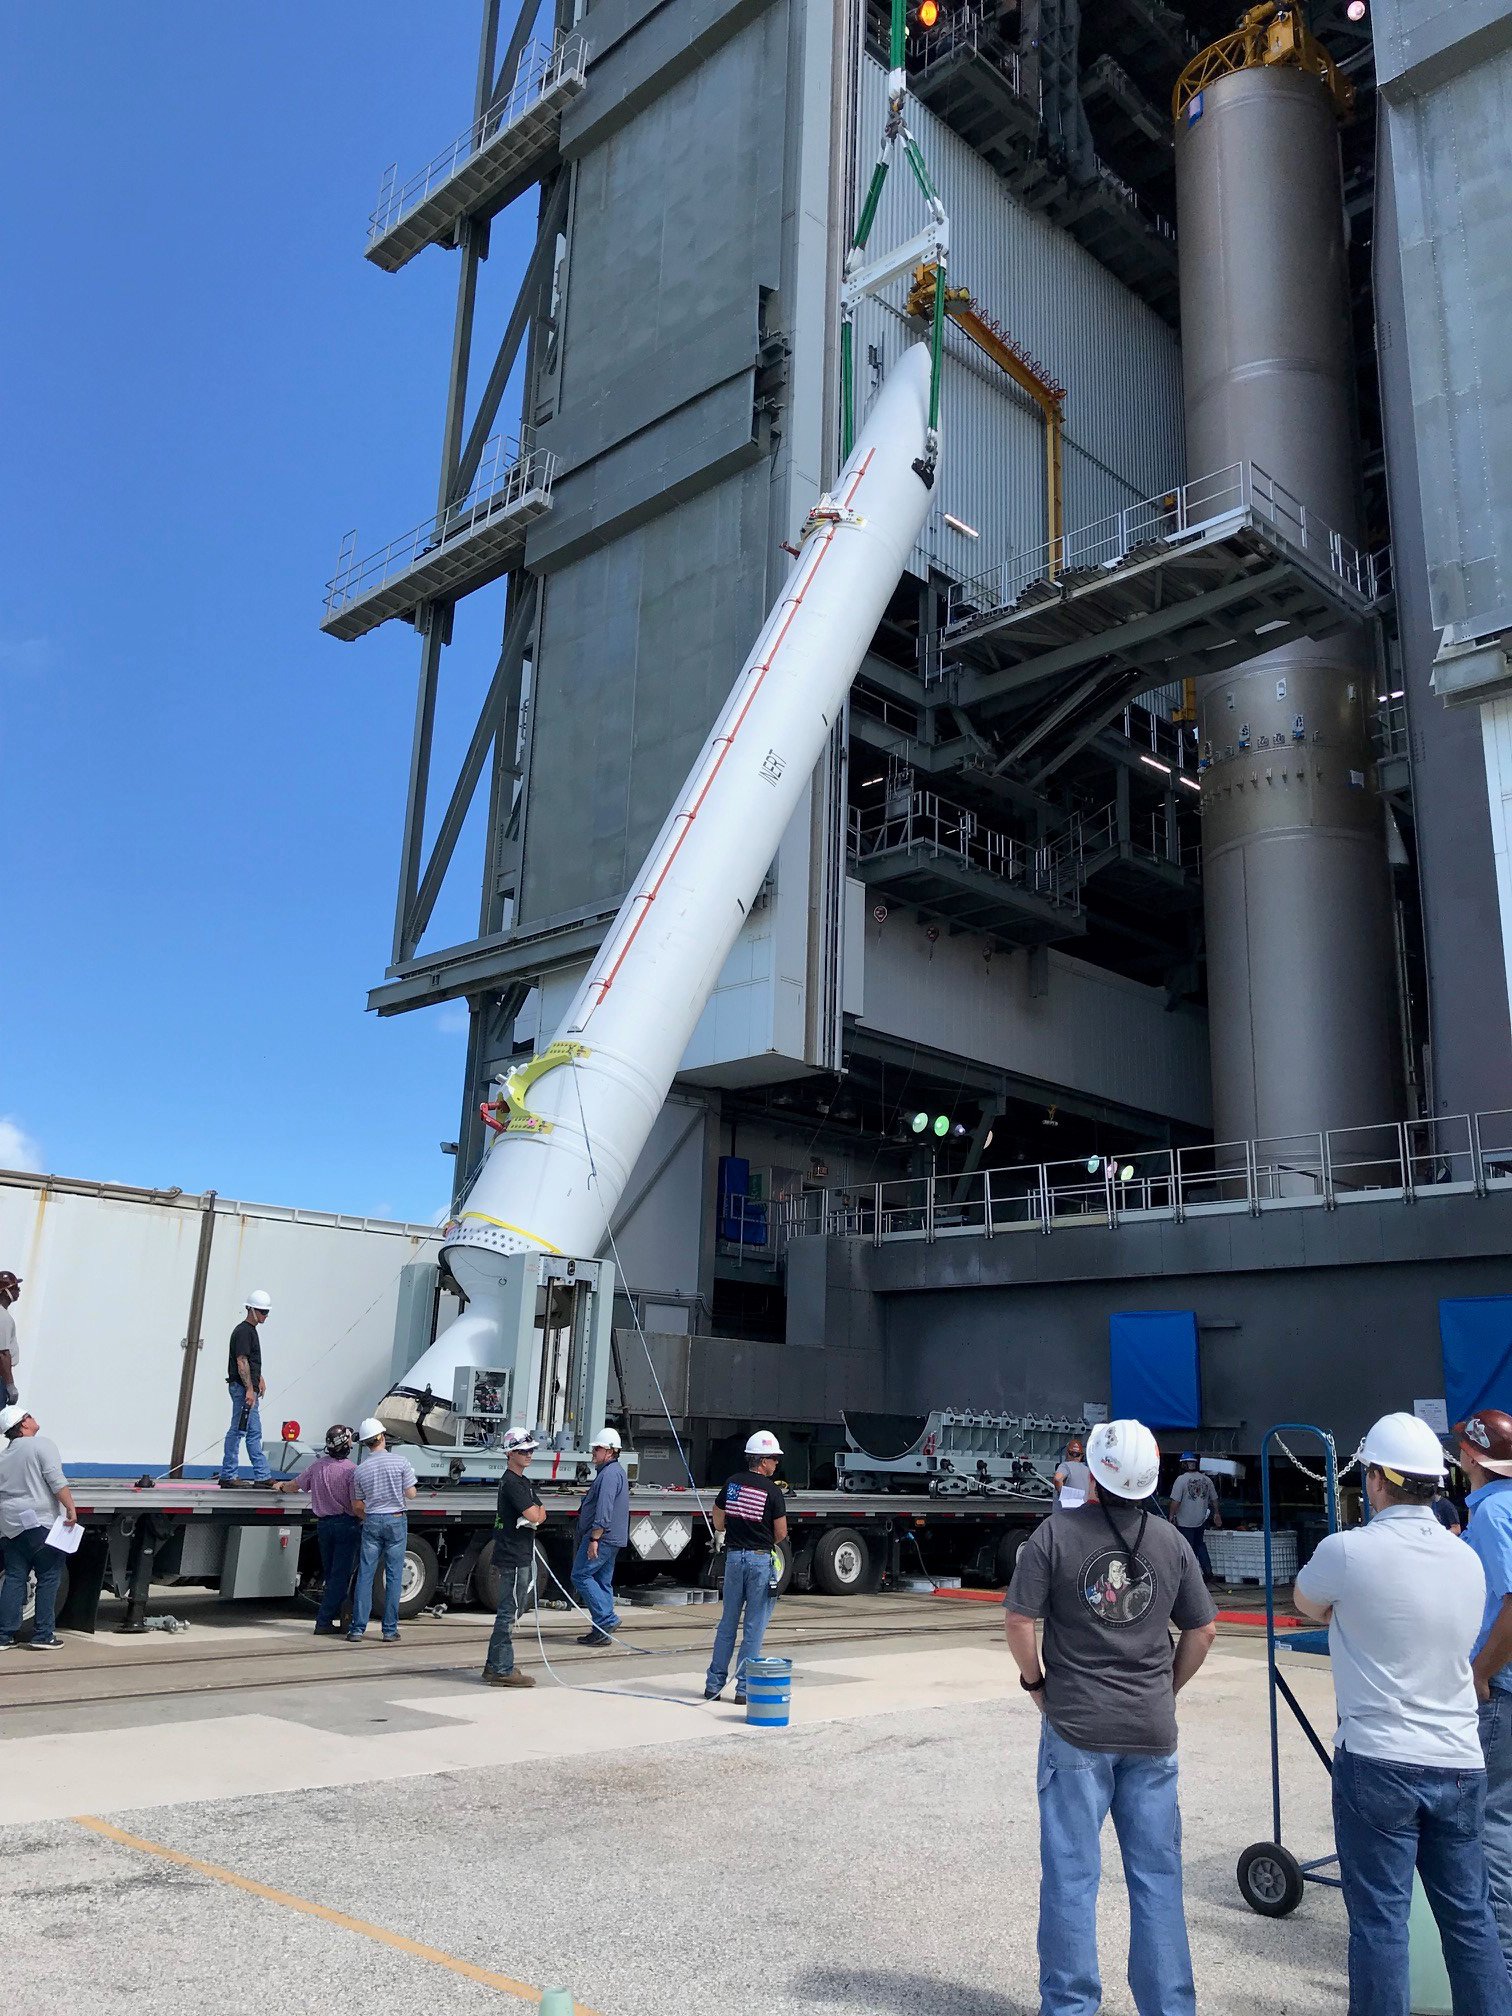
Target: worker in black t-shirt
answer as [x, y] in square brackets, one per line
[520, 1513]
[246, 1385]
[750, 1517]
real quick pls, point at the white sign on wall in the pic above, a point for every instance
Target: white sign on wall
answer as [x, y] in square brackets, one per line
[1435, 1413]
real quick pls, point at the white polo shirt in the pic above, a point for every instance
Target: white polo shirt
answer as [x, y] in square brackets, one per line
[1407, 1599]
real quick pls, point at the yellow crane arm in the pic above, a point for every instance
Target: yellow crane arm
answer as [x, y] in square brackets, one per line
[993, 341]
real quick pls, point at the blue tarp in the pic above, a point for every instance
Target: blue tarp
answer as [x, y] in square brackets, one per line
[1154, 1369]
[1476, 1332]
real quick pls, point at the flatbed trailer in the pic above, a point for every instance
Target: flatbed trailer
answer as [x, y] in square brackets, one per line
[251, 1542]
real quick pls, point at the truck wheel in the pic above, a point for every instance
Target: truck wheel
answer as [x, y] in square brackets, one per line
[842, 1561]
[1008, 1549]
[487, 1582]
[417, 1584]
[785, 1579]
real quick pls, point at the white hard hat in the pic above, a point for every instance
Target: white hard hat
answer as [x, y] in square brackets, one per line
[11, 1417]
[1124, 1458]
[370, 1430]
[1403, 1446]
[515, 1439]
[763, 1443]
[259, 1299]
[606, 1438]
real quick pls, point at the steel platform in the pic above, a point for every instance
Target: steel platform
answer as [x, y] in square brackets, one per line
[1204, 577]
[485, 168]
[463, 548]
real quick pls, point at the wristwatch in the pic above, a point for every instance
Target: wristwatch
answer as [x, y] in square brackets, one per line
[1032, 1686]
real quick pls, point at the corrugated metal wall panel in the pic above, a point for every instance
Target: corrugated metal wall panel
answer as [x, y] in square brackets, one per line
[1120, 364]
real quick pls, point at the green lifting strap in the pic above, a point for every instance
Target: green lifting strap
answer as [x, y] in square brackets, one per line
[897, 53]
[847, 391]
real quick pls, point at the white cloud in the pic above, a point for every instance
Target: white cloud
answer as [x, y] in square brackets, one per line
[18, 1149]
[451, 1018]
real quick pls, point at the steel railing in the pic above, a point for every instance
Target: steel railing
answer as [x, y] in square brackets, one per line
[1191, 512]
[509, 472]
[1399, 1160]
[539, 72]
[911, 821]
[967, 29]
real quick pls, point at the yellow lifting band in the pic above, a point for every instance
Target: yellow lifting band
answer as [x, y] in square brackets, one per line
[504, 1225]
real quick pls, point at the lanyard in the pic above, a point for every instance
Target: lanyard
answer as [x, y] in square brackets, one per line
[1131, 1554]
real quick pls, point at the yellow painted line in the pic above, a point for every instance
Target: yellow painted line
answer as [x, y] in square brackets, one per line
[505, 1226]
[505, 1983]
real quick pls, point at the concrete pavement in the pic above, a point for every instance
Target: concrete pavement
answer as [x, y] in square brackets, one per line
[654, 1855]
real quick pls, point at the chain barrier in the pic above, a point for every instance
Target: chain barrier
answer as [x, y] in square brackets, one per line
[1341, 1470]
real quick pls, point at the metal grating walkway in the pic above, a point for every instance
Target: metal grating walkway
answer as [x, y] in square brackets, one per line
[497, 158]
[947, 862]
[463, 548]
[1204, 577]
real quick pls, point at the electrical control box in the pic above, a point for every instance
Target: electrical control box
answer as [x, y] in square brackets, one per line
[482, 1394]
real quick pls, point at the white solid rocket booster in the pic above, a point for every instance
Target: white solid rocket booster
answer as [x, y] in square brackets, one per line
[551, 1181]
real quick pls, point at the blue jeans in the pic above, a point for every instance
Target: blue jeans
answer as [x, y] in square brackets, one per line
[1388, 1820]
[253, 1431]
[29, 1552]
[1496, 1748]
[382, 1533]
[1077, 1790]
[515, 1588]
[340, 1536]
[1195, 1538]
[594, 1582]
[748, 1587]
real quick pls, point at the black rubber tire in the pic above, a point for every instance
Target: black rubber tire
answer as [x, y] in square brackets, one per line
[422, 1571]
[487, 1580]
[1270, 1879]
[842, 1562]
[785, 1579]
[1006, 1559]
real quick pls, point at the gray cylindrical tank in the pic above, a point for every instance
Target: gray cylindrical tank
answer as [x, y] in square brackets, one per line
[1302, 1004]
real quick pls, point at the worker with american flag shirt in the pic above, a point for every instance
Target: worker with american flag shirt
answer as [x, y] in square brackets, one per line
[750, 1517]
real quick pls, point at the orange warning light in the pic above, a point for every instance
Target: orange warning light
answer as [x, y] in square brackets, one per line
[928, 14]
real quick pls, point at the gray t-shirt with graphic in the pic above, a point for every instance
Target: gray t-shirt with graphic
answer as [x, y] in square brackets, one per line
[1108, 1645]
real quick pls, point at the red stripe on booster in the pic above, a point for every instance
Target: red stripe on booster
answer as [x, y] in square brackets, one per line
[726, 743]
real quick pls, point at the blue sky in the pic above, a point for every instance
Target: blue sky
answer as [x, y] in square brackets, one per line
[202, 385]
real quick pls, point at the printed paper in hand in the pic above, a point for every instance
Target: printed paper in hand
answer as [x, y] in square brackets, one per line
[64, 1537]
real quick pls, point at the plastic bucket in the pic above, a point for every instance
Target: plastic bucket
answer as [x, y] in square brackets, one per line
[769, 1692]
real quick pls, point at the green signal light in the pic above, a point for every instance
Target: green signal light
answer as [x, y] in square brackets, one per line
[919, 1122]
[942, 1125]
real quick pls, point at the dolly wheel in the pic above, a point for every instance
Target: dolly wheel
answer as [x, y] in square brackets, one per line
[1270, 1879]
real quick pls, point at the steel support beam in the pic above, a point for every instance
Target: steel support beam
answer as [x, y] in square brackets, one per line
[978, 689]
[433, 632]
[520, 35]
[537, 271]
[503, 689]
